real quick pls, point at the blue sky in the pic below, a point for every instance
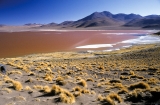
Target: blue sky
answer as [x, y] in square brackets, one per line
[19, 12]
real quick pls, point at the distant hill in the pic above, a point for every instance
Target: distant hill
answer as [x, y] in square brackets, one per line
[32, 24]
[49, 25]
[126, 17]
[146, 22]
[65, 23]
[1, 25]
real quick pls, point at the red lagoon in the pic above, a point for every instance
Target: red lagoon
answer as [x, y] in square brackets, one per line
[14, 44]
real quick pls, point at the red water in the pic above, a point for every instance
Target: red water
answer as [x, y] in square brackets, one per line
[22, 43]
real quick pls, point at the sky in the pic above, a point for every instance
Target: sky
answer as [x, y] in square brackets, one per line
[19, 12]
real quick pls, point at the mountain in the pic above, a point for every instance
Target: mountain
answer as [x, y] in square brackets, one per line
[32, 24]
[126, 17]
[50, 25]
[1, 25]
[152, 16]
[65, 23]
[96, 19]
[146, 22]
[107, 19]
[104, 18]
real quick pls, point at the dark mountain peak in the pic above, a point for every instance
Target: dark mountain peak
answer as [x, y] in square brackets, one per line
[152, 16]
[95, 15]
[132, 16]
[66, 23]
[52, 23]
[108, 14]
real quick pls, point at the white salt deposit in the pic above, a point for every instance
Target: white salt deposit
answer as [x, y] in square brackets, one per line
[148, 39]
[95, 46]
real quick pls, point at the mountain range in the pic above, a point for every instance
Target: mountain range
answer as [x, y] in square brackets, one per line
[105, 18]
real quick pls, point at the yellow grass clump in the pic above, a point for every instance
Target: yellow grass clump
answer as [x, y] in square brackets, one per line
[27, 88]
[123, 90]
[100, 98]
[47, 89]
[7, 79]
[83, 83]
[48, 77]
[77, 93]
[67, 97]
[7, 90]
[140, 85]
[113, 96]
[38, 87]
[14, 72]
[110, 98]
[90, 79]
[60, 80]
[17, 85]
[77, 88]
[152, 81]
[56, 90]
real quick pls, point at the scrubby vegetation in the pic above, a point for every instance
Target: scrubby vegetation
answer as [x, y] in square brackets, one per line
[110, 78]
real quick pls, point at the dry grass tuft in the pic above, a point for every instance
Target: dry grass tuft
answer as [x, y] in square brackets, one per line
[7, 79]
[56, 90]
[27, 88]
[17, 85]
[110, 98]
[48, 77]
[60, 81]
[100, 98]
[140, 85]
[38, 87]
[123, 90]
[115, 96]
[77, 93]
[77, 88]
[67, 97]
[7, 90]
[83, 83]
[90, 79]
[14, 72]
[118, 85]
[135, 95]
[152, 81]
[47, 89]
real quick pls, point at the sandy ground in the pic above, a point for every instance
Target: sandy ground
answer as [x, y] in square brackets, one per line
[129, 76]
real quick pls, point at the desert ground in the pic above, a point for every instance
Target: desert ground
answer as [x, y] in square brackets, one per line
[130, 76]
